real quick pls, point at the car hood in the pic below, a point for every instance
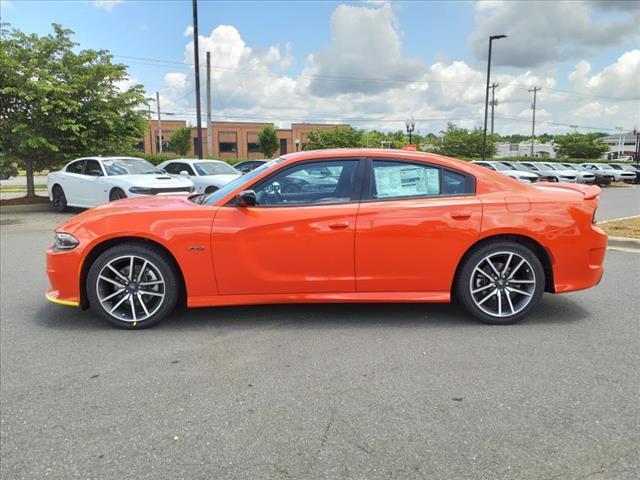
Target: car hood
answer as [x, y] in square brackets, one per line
[155, 181]
[523, 173]
[157, 203]
[224, 179]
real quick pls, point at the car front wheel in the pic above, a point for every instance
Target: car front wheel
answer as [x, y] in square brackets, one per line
[59, 199]
[132, 285]
[117, 194]
[501, 282]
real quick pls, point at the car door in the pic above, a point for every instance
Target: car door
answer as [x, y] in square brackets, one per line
[72, 182]
[91, 187]
[415, 222]
[292, 240]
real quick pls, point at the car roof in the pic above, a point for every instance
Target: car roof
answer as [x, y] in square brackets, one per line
[194, 160]
[99, 158]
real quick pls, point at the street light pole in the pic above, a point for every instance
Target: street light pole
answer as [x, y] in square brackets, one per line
[486, 98]
[411, 126]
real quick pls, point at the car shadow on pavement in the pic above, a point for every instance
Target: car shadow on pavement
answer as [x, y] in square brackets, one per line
[551, 310]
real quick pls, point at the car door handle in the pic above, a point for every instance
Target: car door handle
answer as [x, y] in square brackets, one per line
[338, 225]
[461, 215]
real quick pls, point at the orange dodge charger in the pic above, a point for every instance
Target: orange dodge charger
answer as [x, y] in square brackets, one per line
[352, 225]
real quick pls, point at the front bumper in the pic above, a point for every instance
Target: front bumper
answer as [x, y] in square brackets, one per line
[63, 270]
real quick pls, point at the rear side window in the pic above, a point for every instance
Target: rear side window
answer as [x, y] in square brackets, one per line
[393, 179]
[75, 167]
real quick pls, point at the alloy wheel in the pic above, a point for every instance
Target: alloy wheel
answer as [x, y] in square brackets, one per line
[130, 288]
[502, 284]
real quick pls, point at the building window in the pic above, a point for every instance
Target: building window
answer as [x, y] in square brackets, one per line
[227, 147]
[165, 144]
[139, 146]
[253, 147]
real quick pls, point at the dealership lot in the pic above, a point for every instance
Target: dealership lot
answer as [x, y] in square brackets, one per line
[319, 391]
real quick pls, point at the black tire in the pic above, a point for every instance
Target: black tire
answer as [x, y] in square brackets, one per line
[211, 189]
[59, 199]
[534, 269]
[117, 194]
[156, 258]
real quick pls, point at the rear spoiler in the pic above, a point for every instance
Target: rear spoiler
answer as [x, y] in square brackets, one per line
[589, 191]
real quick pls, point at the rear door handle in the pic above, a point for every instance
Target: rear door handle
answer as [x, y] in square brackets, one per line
[338, 225]
[461, 215]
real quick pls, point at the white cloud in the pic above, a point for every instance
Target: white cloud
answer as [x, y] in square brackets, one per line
[106, 4]
[542, 33]
[7, 5]
[482, 5]
[188, 31]
[361, 77]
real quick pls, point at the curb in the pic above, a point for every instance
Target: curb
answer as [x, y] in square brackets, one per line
[35, 207]
[624, 243]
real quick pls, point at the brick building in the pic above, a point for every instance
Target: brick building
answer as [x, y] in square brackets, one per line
[232, 139]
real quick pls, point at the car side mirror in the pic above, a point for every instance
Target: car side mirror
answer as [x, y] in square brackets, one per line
[184, 173]
[247, 198]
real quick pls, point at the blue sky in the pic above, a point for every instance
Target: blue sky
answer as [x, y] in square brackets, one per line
[437, 43]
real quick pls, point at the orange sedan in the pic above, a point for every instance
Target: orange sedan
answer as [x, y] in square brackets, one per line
[352, 225]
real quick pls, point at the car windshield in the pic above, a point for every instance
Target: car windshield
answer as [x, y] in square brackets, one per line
[233, 184]
[616, 167]
[550, 166]
[129, 166]
[214, 168]
[568, 166]
[510, 166]
[499, 166]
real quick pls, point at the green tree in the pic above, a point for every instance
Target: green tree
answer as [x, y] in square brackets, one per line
[339, 137]
[56, 103]
[460, 142]
[180, 142]
[268, 142]
[578, 145]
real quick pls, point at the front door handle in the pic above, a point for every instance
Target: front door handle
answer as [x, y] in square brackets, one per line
[338, 225]
[461, 215]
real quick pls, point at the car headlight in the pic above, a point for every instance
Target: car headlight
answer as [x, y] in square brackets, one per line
[64, 241]
[140, 190]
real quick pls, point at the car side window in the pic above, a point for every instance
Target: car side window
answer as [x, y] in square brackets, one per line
[309, 183]
[176, 167]
[76, 167]
[402, 179]
[92, 168]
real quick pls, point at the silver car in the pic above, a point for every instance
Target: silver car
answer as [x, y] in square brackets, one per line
[582, 176]
[552, 174]
[628, 168]
[618, 175]
[521, 175]
[589, 176]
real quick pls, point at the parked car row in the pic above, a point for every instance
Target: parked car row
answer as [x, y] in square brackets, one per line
[91, 181]
[588, 173]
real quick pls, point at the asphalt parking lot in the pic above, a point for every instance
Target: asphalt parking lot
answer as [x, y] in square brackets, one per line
[319, 391]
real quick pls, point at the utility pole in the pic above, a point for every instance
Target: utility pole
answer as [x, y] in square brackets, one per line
[159, 149]
[494, 102]
[209, 127]
[533, 124]
[196, 62]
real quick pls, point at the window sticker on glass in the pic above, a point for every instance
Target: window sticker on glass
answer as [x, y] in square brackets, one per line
[405, 180]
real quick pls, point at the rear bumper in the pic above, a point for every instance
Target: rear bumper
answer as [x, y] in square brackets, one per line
[581, 265]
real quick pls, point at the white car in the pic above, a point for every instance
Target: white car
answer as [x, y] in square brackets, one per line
[582, 176]
[207, 175]
[521, 175]
[618, 175]
[91, 181]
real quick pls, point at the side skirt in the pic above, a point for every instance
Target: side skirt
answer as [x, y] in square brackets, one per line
[339, 297]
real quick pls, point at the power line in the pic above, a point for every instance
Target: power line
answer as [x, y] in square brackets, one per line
[401, 80]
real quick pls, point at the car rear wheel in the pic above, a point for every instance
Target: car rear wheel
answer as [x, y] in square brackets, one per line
[501, 282]
[59, 199]
[117, 194]
[132, 286]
